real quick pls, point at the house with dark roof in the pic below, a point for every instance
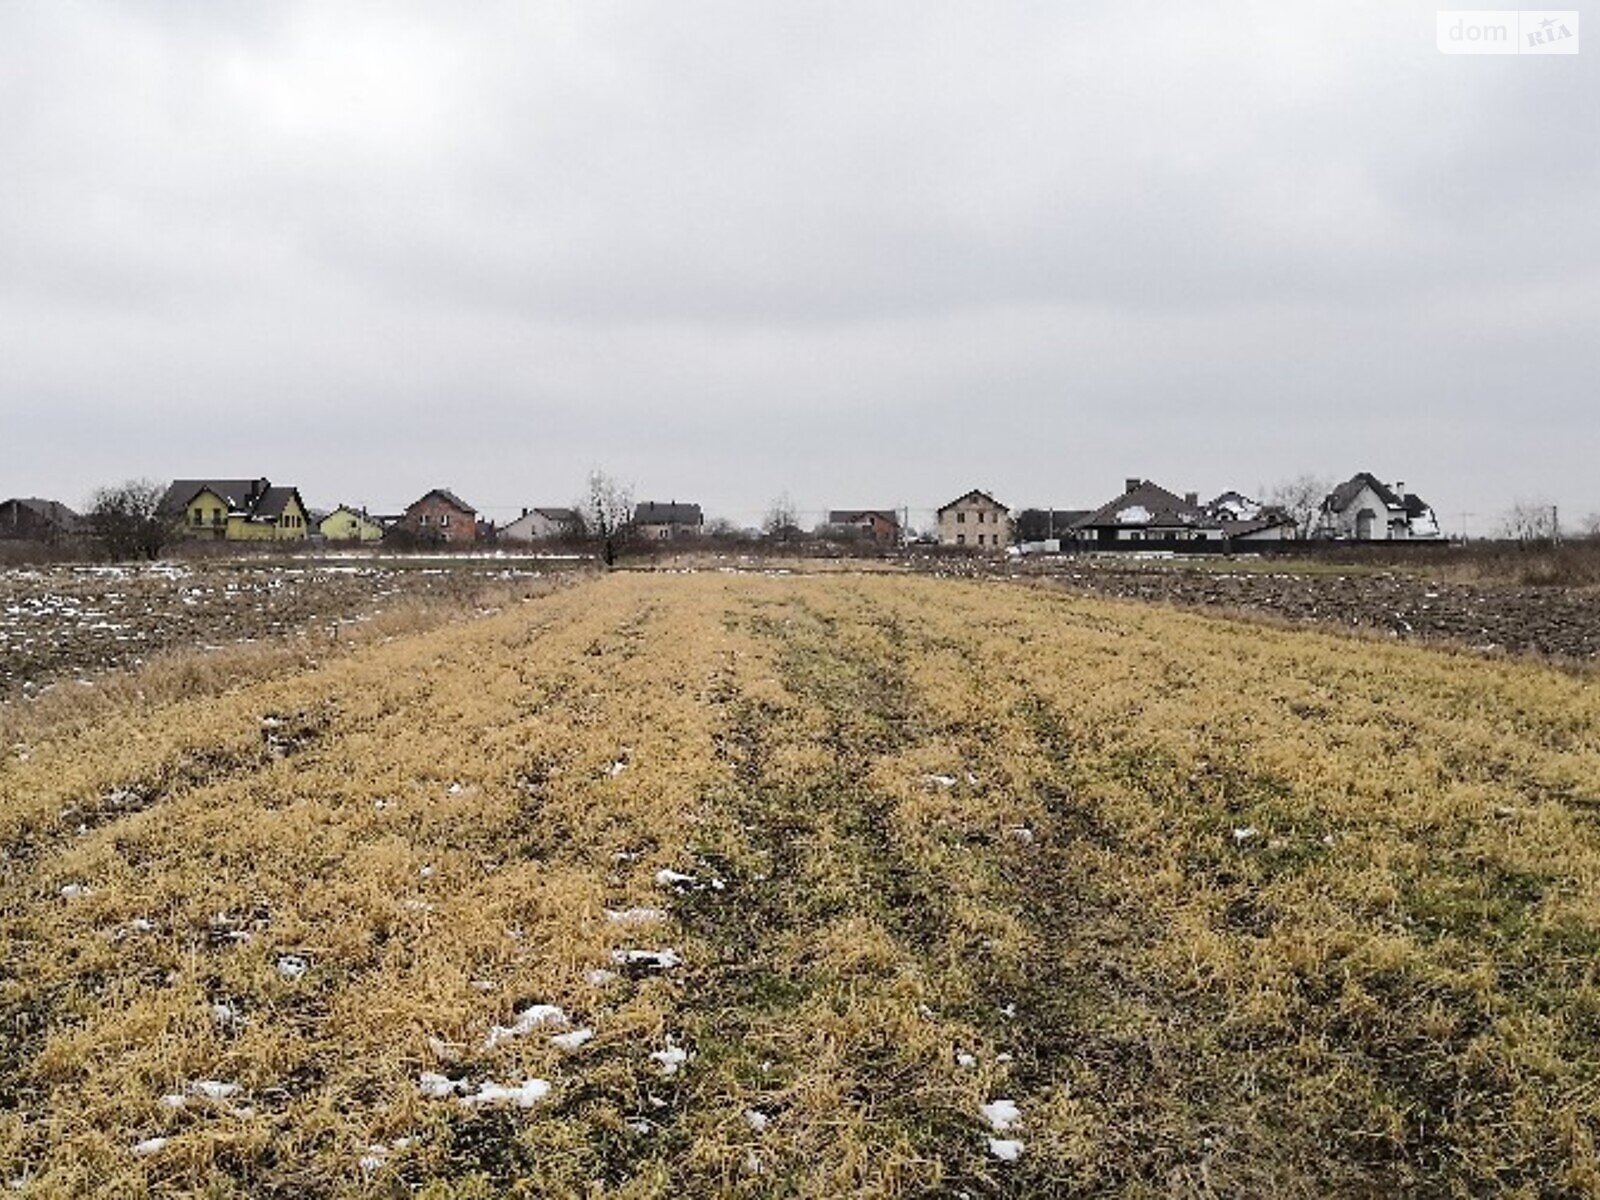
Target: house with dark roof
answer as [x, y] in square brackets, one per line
[1365, 509]
[543, 524]
[654, 521]
[1246, 520]
[441, 516]
[236, 510]
[1036, 527]
[975, 520]
[1147, 512]
[881, 525]
[32, 519]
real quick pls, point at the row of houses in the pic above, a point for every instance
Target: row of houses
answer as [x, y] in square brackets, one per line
[1363, 508]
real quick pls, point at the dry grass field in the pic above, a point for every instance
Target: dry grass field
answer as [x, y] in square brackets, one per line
[729, 884]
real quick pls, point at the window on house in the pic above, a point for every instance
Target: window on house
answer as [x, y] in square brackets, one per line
[961, 518]
[980, 518]
[961, 539]
[444, 518]
[199, 516]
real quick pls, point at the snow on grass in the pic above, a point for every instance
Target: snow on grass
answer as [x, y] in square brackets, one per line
[573, 1040]
[635, 916]
[667, 877]
[670, 1060]
[76, 891]
[1001, 1114]
[150, 1146]
[655, 960]
[599, 977]
[1005, 1149]
[535, 1016]
[292, 966]
[436, 1087]
[756, 1119]
[523, 1095]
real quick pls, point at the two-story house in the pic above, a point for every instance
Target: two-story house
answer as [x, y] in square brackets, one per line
[440, 515]
[655, 522]
[236, 510]
[977, 521]
[1365, 509]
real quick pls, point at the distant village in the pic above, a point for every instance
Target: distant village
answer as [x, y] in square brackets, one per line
[1144, 516]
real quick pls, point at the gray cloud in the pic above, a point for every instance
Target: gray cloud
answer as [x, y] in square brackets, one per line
[867, 253]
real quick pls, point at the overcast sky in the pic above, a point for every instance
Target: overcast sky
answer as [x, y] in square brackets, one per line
[868, 254]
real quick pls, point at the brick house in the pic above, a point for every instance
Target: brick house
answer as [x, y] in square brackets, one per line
[976, 521]
[441, 515]
[881, 525]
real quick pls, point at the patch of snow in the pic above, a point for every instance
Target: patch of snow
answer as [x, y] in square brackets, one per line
[523, 1095]
[1244, 833]
[1005, 1149]
[757, 1119]
[535, 1016]
[965, 1060]
[226, 1015]
[1001, 1114]
[599, 976]
[292, 966]
[436, 1087]
[667, 877]
[76, 891]
[573, 1040]
[211, 1089]
[943, 781]
[150, 1146]
[660, 960]
[141, 925]
[635, 916]
[671, 1059]
[1134, 514]
[1020, 834]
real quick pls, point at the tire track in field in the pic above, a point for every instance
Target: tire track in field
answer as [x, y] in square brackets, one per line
[835, 947]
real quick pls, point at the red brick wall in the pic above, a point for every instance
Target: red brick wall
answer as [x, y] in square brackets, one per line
[463, 526]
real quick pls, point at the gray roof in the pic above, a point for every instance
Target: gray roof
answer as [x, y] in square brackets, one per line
[447, 496]
[271, 503]
[962, 499]
[849, 516]
[561, 516]
[1164, 509]
[653, 513]
[1343, 496]
[51, 512]
[238, 494]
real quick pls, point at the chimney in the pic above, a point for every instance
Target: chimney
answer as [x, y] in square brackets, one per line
[1131, 484]
[524, 512]
[1192, 499]
[1400, 489]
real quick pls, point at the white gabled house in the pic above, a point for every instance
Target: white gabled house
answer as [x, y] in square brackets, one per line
[1365, 509]
[542, 524]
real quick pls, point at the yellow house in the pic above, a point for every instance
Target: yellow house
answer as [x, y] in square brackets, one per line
[236, 510]
[346, 524]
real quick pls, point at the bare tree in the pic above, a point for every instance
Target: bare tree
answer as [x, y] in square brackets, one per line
[606, 512]
[1300, 497]
[1591, 525]
[782, 522]
[127, 519]
[1529, 523]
